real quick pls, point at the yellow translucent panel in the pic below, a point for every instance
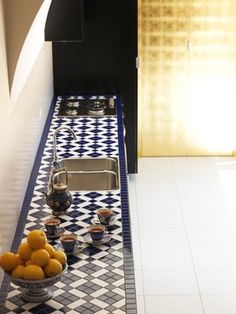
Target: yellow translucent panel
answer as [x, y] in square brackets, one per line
[187, 78]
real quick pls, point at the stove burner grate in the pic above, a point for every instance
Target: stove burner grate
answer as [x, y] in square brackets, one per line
[72, 104]
[71, 112]
[96, 108]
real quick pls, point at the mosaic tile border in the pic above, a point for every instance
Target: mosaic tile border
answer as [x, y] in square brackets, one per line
[130, 306]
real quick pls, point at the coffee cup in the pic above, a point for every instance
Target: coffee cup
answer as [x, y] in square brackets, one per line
[96, 232]
[68, 242]
[52, 226]
[105, 215]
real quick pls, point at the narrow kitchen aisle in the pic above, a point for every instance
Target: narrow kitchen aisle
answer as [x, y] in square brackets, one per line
[183, 214]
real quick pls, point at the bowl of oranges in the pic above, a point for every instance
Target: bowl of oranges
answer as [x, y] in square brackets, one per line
[35, 267]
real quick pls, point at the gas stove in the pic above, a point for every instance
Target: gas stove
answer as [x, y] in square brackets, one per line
[94, 107]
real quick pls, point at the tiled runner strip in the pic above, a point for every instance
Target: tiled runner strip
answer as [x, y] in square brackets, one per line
[94, 282]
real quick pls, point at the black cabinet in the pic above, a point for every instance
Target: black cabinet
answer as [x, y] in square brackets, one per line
[104, 62]
[65, 22]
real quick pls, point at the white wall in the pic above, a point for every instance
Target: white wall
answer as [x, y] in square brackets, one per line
[21, 126]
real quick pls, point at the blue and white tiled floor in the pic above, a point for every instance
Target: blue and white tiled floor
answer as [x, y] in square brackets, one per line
[183, 213]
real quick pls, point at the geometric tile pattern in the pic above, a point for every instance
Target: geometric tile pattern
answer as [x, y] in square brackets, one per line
[94, 282]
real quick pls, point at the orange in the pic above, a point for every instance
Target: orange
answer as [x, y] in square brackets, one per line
[8, 261]
[18, 272]
[24, 251]
[19, 260]
[37, 239]
[33, 272]
[52, 268]
[48, 247]
[28, 262]
[40, 257]
[60, 256]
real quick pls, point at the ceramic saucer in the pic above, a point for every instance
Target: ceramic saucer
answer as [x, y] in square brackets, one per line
[95, 221]
[106, 238]
[60, 231]
[78, 248]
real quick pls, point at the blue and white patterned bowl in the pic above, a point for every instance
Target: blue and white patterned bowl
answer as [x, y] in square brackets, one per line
[37, 290]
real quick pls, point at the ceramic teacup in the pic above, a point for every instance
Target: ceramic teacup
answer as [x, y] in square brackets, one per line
[96, 232]
[52, 226]
[68, 242]
[105, 215]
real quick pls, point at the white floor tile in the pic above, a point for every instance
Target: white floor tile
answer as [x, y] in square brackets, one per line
[135, 236]
[163, 237]
[169, 282]
[217, 282]
[158, 202]
[214, 258]
[134, 217]
[140, 304]
[162, 186]
[138, 263]
[159, 168]
[196, 167]
[200, 219]
[201, 202]
[139, 282]
[211, 237]
[220, 304]
[161, 219]
[192, 205]
[165, 203]
[232, 216]
[166, 258]
[196, 187]
[173, 305]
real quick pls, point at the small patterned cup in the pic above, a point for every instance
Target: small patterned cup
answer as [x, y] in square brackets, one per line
[105, 215]
[68, 242]
[97, 232]
[52, 226]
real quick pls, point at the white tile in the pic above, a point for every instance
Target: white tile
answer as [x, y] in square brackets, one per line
[201, 219]
[166, 203]
[217, 281]
[139, 282]
[134, 218]
[154, 188]
[218, 162]
[214, 258]
[138, 264]
[146, 204]
[201, 202]
[232, 216]
[131, 178]
[220, 304]
[169, 282]
[161, 219]
[163, 237]
[190, 167]
[159, 167]
[132, 191]
[196, 187]
[211, 237]
[140, 304]
[166, 258]
[199, 189]
[135, 236]
[173, 305]
[154, 202]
